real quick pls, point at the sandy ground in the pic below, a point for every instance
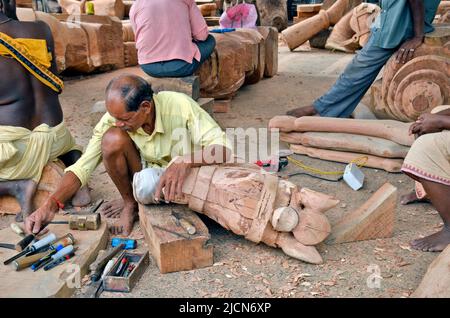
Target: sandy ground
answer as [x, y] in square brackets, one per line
[243, 269]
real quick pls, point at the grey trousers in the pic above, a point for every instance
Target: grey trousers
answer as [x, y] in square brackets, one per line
[343, 97]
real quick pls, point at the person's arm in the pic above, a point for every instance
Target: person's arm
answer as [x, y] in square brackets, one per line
[198, 24]
[431, 123]
[406, 51]
[75, 177]
[215, 149]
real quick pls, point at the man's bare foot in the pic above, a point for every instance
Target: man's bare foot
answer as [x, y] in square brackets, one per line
[127, 217]
[412, 198]
[302, 111]
[112, 209]
[82, 197]
[23, 191]
[436, 242]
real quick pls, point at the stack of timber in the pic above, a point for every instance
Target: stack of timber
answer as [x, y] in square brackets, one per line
[258, 206]
[384, 142]
[353, 30]
[83, 43]
[242, 56]
[408, 90]
[299, 33]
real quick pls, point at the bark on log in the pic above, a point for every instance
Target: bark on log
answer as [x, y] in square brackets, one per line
[389, 165]
[387, 129]
[347, 142]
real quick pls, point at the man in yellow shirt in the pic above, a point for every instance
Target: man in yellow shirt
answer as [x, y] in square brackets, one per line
[141, 130]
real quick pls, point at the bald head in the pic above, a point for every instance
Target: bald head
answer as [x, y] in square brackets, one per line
[131, 89]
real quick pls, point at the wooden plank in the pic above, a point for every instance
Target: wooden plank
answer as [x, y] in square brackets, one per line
[54, 283]
[207, 104]
[347, 142]
[436, 282]
[170, 245]
[374, 219]
[222, 106]
[189, 85]
[389, 165]
[309, 7]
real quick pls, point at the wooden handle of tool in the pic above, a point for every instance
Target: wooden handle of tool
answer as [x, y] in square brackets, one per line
[25, 262]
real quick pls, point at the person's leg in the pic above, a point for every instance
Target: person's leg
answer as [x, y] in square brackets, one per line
[173, 68]
[82, 197]
[439, 195]
[206, 48]
[23, 191]
[122, 160]
[352, 84]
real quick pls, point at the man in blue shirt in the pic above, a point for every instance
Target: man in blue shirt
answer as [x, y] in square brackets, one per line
[400, 21]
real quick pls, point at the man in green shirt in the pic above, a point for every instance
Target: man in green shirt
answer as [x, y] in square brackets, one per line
[400, 28]
[140, 130]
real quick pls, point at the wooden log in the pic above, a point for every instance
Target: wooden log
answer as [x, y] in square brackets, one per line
[411, 89]
[51, 176]
[112, 8]
[127, 7]
[389, 165]
[60, 282]
[315, 8]
[387, 129]
[130, 54]
[208, 9]
[273, 13]
[347, 142]
[24, 3]
[189, 85]
[128, 33]
[172, 247]
[436, 282]
[270, 35]
[73, 6]
[299, 33]
[374, 219]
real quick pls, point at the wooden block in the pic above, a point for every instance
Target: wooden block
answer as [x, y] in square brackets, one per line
[61, 281]
[436, 282]
[130, 54]
[270, 35]
[309, 7]
[51, 176]
[207, 104]
[189, 85]
[374, 219]
[171, 246]
[112, 8]
[222, 106]
[212, 21]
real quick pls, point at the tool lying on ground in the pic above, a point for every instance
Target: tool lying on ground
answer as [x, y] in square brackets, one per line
[59, 261]
[33, 247]
[26, 239]
[186, 225]
[89, 222]
[44, 252]
[17, 229]
[85, 211]
[130, 244]
[47, 260]
[8, 246]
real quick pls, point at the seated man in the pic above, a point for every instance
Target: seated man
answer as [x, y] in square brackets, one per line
[32, 130]
[400, 21]
[171, 37]
[141, 130]
[428, 162]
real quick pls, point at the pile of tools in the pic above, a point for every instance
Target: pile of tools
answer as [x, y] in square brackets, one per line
[46, 253]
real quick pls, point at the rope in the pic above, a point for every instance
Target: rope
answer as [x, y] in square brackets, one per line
[359, 161]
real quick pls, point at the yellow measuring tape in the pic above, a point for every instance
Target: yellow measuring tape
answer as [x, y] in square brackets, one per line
[359, 161]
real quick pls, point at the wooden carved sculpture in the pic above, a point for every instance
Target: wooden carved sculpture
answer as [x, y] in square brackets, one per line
[301, 32]
[353, 30]
[259, 206]
[408, 90]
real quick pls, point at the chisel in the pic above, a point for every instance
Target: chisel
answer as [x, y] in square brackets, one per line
[65, 251]
[59, 261]
[35, 246]
[25, 262]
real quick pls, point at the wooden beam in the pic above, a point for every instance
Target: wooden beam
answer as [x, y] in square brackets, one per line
[222, 106]
[172, 247]
[436, 282]
[374, 219]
